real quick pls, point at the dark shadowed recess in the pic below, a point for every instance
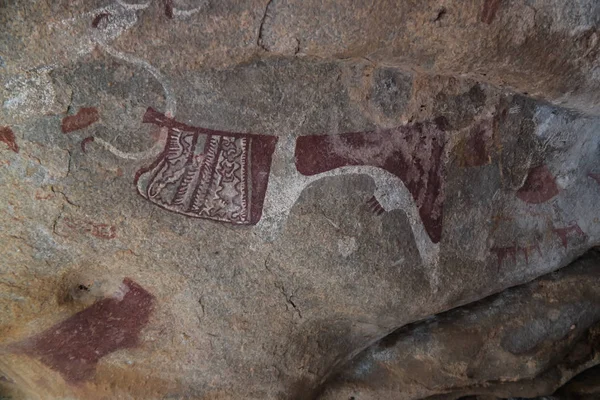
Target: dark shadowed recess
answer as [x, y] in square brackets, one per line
[584, 385]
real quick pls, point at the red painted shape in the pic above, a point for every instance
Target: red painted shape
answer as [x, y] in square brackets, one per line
[490, 8]
[539, 187]
[85, 117]
[85, 141]
[564, 233]
[503, 252]
[39, 196]
[512, 251]
[8, 136]
[204, 173]
[595, 177]
[413, 153]
[74, 346]
[169, 8]
[98, 18]
[475, 150]
[102, 231]
[528, 249]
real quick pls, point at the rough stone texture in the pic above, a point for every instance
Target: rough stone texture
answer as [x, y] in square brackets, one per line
[546, 48]
[526, 341]
[474, 120]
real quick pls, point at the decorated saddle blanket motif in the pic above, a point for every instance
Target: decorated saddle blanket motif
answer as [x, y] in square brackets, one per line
[203, 173]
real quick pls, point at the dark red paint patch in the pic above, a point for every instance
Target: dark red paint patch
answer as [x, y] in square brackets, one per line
[539, 187]
[204, 173]
[169, 8]
[504, 252]
[84, 118]
[8, 136]
[490, 8]
[74, 346]
[413, 153]
[99, 18]
[85, 141]
[474, 149]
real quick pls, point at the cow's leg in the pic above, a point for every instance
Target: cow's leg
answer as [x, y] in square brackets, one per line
[286, 186]
[283, 190]
[391, 194]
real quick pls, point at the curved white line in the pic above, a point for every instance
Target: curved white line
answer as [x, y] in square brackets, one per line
[170, 107]
[151, 152]
[129, 6]
[286, 185]
[392, 194]
[187, 13]
[171, 103]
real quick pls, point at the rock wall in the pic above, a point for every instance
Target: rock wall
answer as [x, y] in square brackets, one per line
[261, 199]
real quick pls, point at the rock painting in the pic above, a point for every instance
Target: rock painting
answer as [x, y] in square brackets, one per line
[75, 227]
[512, 251]
[168, 8]
[100, 18]
[412, 153]
[474, 149]
[490, 8]
[573, 230]
[74, 346]
[7, 136]
[374, 206]
[85, 141]
[84, 118]
[227, 177]
[539, 187]
[208, 174]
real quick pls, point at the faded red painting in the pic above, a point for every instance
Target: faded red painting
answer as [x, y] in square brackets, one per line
[99, 18]
[209, 174]
[512, 251]
[168, 8]
[80, 226]
[413, 153]
[84, 142]
[8, 137]
[474, 149]
[74, 346]
[539, 187]
[573, 230]
[490, 8]
[84, 118]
